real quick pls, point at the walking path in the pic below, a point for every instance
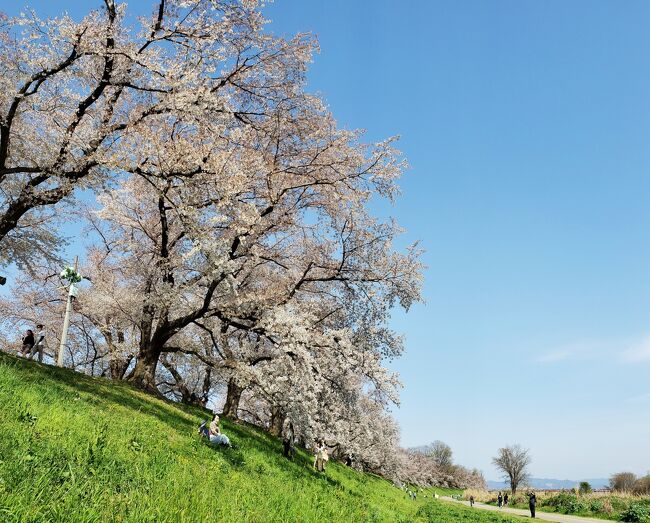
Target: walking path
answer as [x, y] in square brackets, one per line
[543, 516]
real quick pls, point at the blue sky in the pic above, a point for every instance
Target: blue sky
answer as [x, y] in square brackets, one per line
[527, 128]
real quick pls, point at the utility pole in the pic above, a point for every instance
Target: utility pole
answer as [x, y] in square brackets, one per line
[66, 320]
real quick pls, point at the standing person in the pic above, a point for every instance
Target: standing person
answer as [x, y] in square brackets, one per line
[28, 342]
[471, 501]
[500, 500]
[505, 499]
[320, 455]
[317, 455]
[532, 502]
[325, 457]
[287, 440]
[39, 345]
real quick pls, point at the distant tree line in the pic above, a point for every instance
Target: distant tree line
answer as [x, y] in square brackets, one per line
[629, 482]
[433, 465]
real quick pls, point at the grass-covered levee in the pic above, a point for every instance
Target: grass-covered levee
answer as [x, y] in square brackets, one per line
[81, 449]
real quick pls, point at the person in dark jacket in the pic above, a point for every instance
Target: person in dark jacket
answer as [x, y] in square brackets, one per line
[28, 342]
[505, 499]
[500, 500]
[532, 502]
[288, 440]
[39, 343]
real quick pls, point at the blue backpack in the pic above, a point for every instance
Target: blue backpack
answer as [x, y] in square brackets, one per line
[203, 429]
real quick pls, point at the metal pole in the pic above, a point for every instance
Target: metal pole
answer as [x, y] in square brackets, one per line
[66, 320]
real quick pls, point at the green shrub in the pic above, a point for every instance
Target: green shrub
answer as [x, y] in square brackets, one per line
[636, 512]
[566, 503]
[596, 505]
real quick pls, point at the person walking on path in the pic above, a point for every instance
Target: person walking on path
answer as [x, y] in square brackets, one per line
[532, 502]
[505, 499]
[28, 343]
[39, 345]
[471, 501]
[500, 500]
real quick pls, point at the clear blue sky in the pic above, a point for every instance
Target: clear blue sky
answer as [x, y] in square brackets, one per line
[527, 127]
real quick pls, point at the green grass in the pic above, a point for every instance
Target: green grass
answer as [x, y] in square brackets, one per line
[74, 448]
[448, 512]
[442, 491]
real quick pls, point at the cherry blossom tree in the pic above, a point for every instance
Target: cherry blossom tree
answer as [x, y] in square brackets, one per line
[40, 298]
[71, 93]
[234, 239]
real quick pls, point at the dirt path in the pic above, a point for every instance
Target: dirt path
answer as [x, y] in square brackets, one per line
[542, 516]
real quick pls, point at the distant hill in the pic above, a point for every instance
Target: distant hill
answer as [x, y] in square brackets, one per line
[552, 484]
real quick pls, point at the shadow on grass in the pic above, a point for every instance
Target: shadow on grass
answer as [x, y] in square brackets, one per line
[104, 392]
[233, 456]
[178, 417]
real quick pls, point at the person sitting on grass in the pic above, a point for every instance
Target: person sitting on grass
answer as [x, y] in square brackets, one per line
[216, 438]
[213, 433]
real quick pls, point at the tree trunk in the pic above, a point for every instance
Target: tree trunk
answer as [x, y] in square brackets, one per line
[207, 385]
[144, 374]
[118, 366]
[277, 420]
[187, 396]
[232, 399]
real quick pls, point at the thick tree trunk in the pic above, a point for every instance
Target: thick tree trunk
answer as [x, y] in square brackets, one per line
[118, 367]
[232, 399]
[277, 420]
[117, 364]
[144, 374]
[187, 397]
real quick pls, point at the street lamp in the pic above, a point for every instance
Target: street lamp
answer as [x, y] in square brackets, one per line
[70, 275]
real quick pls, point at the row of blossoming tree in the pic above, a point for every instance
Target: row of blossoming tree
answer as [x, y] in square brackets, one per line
[230, 243]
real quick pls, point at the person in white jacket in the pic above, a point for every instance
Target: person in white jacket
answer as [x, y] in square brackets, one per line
[215, 435]
[39, 343]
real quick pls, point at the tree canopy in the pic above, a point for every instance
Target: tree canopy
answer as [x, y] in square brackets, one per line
[232, 248]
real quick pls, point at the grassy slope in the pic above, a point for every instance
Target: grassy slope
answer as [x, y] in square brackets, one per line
[74, 448]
